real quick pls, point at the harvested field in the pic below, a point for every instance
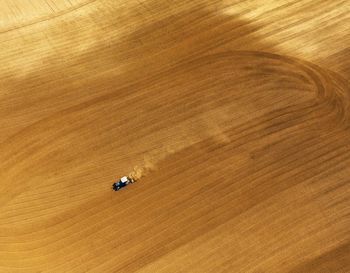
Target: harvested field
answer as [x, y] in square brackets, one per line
[233, 115]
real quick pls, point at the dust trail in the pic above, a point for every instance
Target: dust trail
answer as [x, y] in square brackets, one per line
[181, 136]
[142, 170]
[152, 158]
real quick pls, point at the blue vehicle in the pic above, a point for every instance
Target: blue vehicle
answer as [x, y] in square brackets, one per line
[123, 182]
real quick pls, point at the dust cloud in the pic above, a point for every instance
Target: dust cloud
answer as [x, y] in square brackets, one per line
[143, 169]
